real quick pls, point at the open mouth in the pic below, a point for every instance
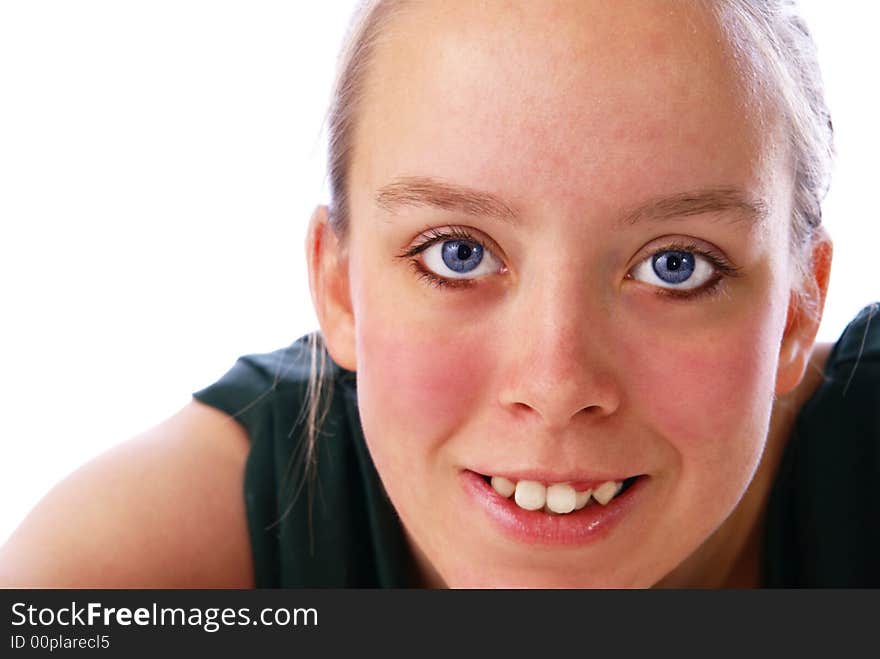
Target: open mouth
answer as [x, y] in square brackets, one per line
[558, 498]
[544, 513]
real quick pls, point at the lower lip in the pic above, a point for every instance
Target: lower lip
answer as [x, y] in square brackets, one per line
[582, 526]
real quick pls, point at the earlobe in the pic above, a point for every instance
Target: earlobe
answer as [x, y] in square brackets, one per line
[328, 283]
[803, 317]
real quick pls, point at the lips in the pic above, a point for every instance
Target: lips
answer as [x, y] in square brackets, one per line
[543, 526]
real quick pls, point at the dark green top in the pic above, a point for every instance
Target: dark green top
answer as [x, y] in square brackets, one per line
[822, 523]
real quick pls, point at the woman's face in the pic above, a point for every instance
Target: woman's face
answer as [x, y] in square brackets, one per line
[569, 265]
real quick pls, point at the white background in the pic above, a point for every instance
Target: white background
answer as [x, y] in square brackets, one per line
[158, 164]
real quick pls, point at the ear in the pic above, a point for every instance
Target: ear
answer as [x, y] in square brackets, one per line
[804, 316]
[328, 282]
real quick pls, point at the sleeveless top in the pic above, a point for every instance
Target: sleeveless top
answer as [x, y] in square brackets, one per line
[338, 528]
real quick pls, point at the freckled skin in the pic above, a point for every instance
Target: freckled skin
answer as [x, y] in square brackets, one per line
[572, 111]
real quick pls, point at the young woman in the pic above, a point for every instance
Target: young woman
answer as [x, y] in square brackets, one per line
[569, 286]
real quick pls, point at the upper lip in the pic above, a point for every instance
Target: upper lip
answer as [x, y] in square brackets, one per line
[547, 476]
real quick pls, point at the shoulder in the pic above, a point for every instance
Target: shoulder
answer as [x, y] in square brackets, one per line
[308, 480]
[834, 364]
[843, 395]
[846, 374]
[261, 386]
[164, 509]
[823, 511]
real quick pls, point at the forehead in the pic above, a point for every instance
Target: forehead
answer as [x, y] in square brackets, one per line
[577, 101]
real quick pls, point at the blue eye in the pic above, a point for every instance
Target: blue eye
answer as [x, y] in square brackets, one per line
[673, 267]
[461, 256]
[676, 269]
[459, 259]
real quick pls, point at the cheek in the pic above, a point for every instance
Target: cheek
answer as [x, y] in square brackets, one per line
[710, 396]
[418, 379]
[422, 363]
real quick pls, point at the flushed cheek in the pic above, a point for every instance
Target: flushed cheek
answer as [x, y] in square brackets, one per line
[417, 382]
[709, 397]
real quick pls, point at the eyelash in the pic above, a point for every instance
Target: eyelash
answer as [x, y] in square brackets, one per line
[723, 268]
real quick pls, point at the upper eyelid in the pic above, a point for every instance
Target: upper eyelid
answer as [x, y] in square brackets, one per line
[450, 232]
[670, 243]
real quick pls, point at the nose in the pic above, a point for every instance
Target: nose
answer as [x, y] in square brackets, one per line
[559, 363]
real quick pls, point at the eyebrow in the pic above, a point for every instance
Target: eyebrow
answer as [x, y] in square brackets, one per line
[425, 191]
[698, 202]
[432, 192]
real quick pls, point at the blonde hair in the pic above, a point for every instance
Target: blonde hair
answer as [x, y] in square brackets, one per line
[774, 37]
[365, 30]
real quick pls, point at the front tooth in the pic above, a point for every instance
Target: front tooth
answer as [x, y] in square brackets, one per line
[504, 486]
[606, 491]
[581, 499]
[530, 495]
[561, 498]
